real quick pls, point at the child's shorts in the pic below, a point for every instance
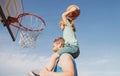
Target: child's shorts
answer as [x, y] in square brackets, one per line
[71, 49]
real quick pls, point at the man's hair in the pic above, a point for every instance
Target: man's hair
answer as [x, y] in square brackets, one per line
[59, 40]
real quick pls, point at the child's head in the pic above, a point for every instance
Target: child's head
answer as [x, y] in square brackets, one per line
[58, 44]
[73, 15]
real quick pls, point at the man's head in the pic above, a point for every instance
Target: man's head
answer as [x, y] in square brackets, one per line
[58, 44]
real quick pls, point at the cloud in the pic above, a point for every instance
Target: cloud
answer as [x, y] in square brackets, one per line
[19, 63]
[98, 73]
[98, 66]
[96, 61]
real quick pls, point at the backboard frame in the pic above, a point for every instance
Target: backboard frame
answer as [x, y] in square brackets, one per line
[10, 8]
[3, 20]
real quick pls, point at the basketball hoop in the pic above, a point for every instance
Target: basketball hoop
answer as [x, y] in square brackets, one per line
[30, 26]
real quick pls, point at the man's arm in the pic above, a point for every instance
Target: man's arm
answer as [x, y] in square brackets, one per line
[66, 64]
[52, 62]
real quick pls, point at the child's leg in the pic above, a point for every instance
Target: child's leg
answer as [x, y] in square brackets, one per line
[52, 61]
[71, 49]
[76, 51]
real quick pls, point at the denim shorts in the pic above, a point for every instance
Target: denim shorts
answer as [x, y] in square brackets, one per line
[71, 49]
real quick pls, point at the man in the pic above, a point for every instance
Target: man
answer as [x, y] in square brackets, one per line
[65, 66]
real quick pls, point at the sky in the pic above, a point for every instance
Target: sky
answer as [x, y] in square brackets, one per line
[98, 34]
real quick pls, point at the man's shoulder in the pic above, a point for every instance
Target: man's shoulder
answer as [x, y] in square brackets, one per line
[66, 63]
[66, 56]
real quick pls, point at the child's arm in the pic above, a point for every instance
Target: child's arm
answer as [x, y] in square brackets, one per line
[65, 14]
[52, 61]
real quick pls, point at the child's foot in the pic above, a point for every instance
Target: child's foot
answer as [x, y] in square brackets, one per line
[33, 74]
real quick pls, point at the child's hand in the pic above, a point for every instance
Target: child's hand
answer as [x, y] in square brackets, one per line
[71, 9]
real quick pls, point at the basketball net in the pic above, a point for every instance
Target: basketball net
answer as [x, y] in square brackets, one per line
[28, 38]
[30, 27]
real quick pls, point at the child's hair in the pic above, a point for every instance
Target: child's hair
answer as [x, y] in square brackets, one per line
[61, 22]
[60, 40]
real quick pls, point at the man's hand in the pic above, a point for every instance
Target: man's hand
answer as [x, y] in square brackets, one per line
[43, 72]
